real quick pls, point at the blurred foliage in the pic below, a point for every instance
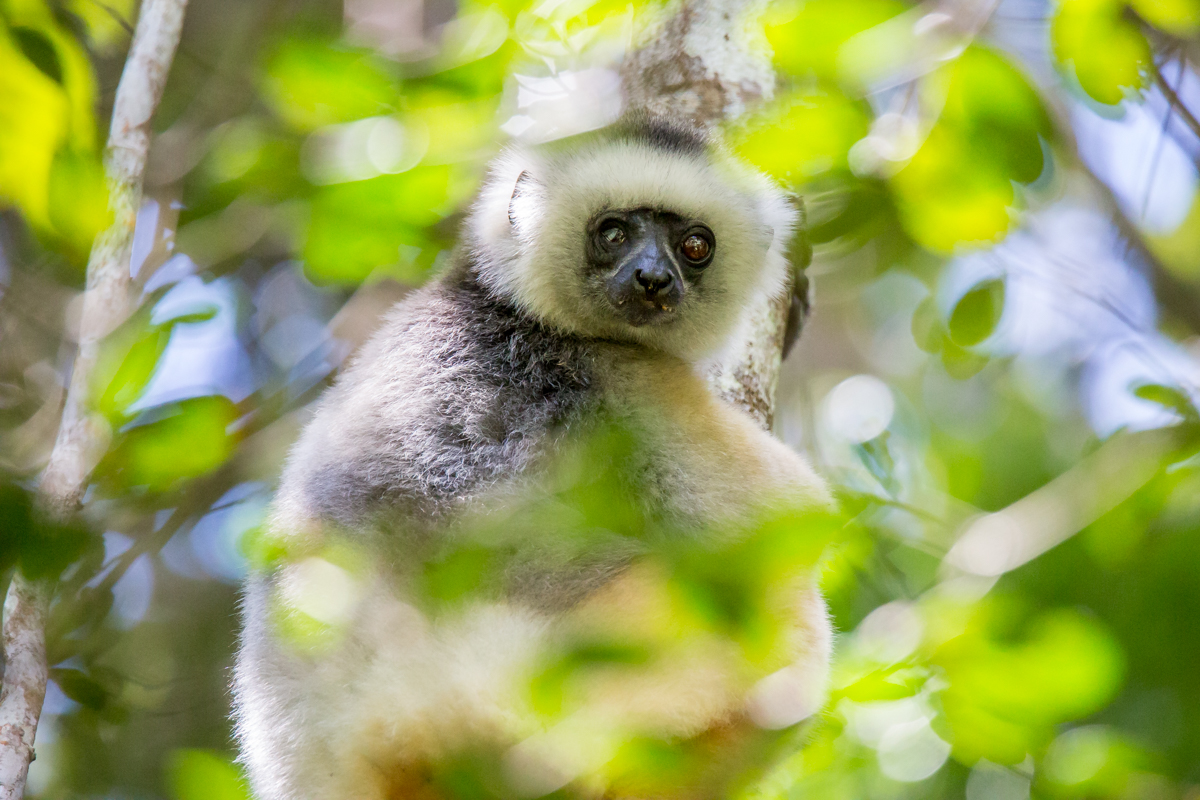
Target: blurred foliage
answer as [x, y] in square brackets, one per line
[312, 162]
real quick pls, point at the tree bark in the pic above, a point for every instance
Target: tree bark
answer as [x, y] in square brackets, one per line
[108, 301]
[25, 676]
[705, 66]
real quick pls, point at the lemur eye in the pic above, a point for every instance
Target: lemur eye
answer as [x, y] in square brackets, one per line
[696, 248]
[613, 233]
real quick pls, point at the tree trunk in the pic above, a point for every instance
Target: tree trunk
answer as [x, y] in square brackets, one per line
[108, 301]
[706, 66]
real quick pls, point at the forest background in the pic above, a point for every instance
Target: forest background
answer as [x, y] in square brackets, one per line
[1000, 373]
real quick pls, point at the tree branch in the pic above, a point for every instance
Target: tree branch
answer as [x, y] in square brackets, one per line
[1174, 100]
[702, 68]
[25, 676]
[108, 300]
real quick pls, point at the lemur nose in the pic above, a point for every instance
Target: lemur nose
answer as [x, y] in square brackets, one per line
[654, 282]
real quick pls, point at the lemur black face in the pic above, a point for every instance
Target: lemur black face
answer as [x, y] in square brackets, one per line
[649, 260]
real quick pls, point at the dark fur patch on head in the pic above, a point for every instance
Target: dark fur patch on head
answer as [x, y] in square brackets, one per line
[664, 134]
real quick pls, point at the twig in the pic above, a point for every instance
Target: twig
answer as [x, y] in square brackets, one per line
[108, 300]
[116, 15]
[1178, 297]
[1173, 97]
[25, 676]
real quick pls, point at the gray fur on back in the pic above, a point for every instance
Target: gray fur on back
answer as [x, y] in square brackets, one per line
[457, 391]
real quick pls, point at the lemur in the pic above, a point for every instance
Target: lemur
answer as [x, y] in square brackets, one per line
[593, 276]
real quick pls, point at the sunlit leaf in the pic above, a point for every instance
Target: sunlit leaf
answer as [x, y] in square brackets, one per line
[458, 128]
[1004, 698]
[882, 684]
[34, 116]
[134, 373]
[471, 37]
[811, 40]
[928, 330]
[1177, 17]
[204, 775]
[357, 227]
[1169, 397]
[961, 363]
[1093, 761]
[976, 314]
[47, 93]
[184, 440]
[78, 200]
[802, 135]
[1101, 47]
[264, 548]
[465, 571]
[958, 188]
[311, 83]
[105, 32]
[65, 62]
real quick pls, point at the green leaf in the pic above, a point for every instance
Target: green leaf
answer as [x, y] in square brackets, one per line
[958, 187]
[1170, 398]
[118, 388]
[1177, 17]
[78, 200]
[976, 314]
[33, 124]
[40, 52]
[105, 32]
[890, 683]
[310, 83]
[961, 363]
[47, 94]
[1094, 761]
[465, 571]
[1005, 697]
[927, 328]
[53, 548]
[810, 41]
[80, 688]
[16, 523]
[204, 775]
[184, 440]
[357, 227]
[802, 135]
[1101, 47]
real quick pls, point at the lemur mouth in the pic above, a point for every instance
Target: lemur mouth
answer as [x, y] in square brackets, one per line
[642, 310]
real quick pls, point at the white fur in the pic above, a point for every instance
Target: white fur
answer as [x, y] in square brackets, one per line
[530, 240]
[418, 415]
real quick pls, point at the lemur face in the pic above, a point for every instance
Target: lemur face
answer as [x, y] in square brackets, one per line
[645, 235]
[647, 261]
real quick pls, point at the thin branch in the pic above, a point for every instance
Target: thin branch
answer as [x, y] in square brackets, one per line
[1162, 140]
[1173, 97]
[108, 300]
[25, 676]
[116, 15]
[1178, 297]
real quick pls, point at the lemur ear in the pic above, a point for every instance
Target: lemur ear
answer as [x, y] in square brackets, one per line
[524, 189]
[525, 208]
[799, 257]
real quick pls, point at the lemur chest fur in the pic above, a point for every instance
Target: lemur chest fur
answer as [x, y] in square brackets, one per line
[463, 392]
